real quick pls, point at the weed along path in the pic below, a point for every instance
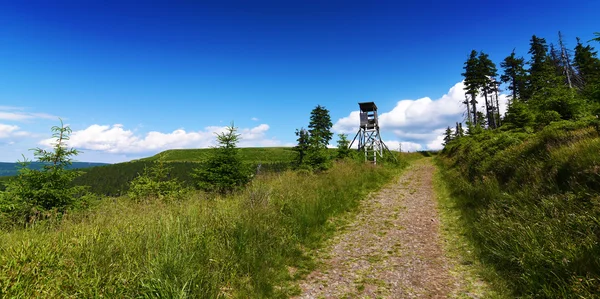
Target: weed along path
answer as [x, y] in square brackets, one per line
[392, 249]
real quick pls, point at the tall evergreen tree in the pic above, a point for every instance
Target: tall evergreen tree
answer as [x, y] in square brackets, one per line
[320, 127]
[542, 71]
[224, 171]
[587, 63]
[448, 136]
[471, 82]
[514, 74]
[303, 145]
[486, 74]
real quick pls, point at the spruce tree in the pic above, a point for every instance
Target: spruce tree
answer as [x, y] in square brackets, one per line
[485, 78]
[587, 63]
[303, 145]
[224, 171]
[448, 136]
[471, 82]
[343, 147]
[319, 129]
[34, 192]
[514, 74]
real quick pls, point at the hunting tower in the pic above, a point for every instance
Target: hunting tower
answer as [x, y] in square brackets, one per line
[369, 139]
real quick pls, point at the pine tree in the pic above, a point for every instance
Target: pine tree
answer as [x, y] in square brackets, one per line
[542, 71]
[448, 136]
[486, 73]
[224, 171]
[303, 145]
[34, 192]
[514, 74]
[471, 82]
[319, 129]
[458, 131]
[343, 147]
[587, 63]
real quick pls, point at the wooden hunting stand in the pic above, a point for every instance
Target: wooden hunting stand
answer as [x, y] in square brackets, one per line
[369, 139]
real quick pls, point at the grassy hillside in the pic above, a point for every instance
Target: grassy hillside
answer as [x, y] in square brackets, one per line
[248, 154]
[531, 205]
[240, 246]
[113, 180]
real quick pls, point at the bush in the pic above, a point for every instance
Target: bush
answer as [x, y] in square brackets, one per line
[155, 183]
[36, 194]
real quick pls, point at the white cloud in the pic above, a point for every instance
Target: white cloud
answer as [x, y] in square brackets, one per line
[116, 139]
[255, 119]
[19, 114]
[9, 131]
[420, 121]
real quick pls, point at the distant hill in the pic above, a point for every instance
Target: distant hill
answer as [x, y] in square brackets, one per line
[10, 169]
[247, 154]
[113, 180]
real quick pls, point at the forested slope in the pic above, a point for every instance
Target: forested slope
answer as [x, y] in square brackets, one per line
[528, 183]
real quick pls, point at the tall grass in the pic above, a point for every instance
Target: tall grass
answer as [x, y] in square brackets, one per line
[532, 208]
[239, 246]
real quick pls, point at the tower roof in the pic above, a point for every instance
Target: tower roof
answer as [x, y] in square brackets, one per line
[367, 106]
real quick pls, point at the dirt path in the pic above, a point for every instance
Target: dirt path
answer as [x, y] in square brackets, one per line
[392, 250]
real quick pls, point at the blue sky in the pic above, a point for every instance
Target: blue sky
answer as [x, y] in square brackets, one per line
[134, 78]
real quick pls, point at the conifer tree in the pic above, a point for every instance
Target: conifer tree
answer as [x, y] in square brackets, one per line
[224, 172]
[343, 147]
[471, 82]
[514, 74]
[303, 145]
[319, 129]
[587, 63]
[485, 78]
[448, 136]
[34, 192]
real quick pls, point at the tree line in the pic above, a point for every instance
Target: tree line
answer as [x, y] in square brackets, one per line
[555, 83]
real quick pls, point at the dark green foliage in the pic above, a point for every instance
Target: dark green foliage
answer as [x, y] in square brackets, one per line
[33, 193]
[471, 83]
[448, 136]
[224, 172]
[303, 145]
[253, 155]
[518, 116]
[458, 131]
[480, 78]
[486, 73]
[514, 74]
[343, 147]
[319, 127]
[156, 183]
[114, 180]
[312, 144]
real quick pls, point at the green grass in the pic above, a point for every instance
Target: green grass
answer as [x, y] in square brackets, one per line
[530, 207]
[239, 246]
[476, 279]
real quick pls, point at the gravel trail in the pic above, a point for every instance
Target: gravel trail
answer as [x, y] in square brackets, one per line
[393, 248]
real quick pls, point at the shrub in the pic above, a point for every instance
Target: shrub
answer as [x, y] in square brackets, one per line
[155, 183]
[33, 194]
